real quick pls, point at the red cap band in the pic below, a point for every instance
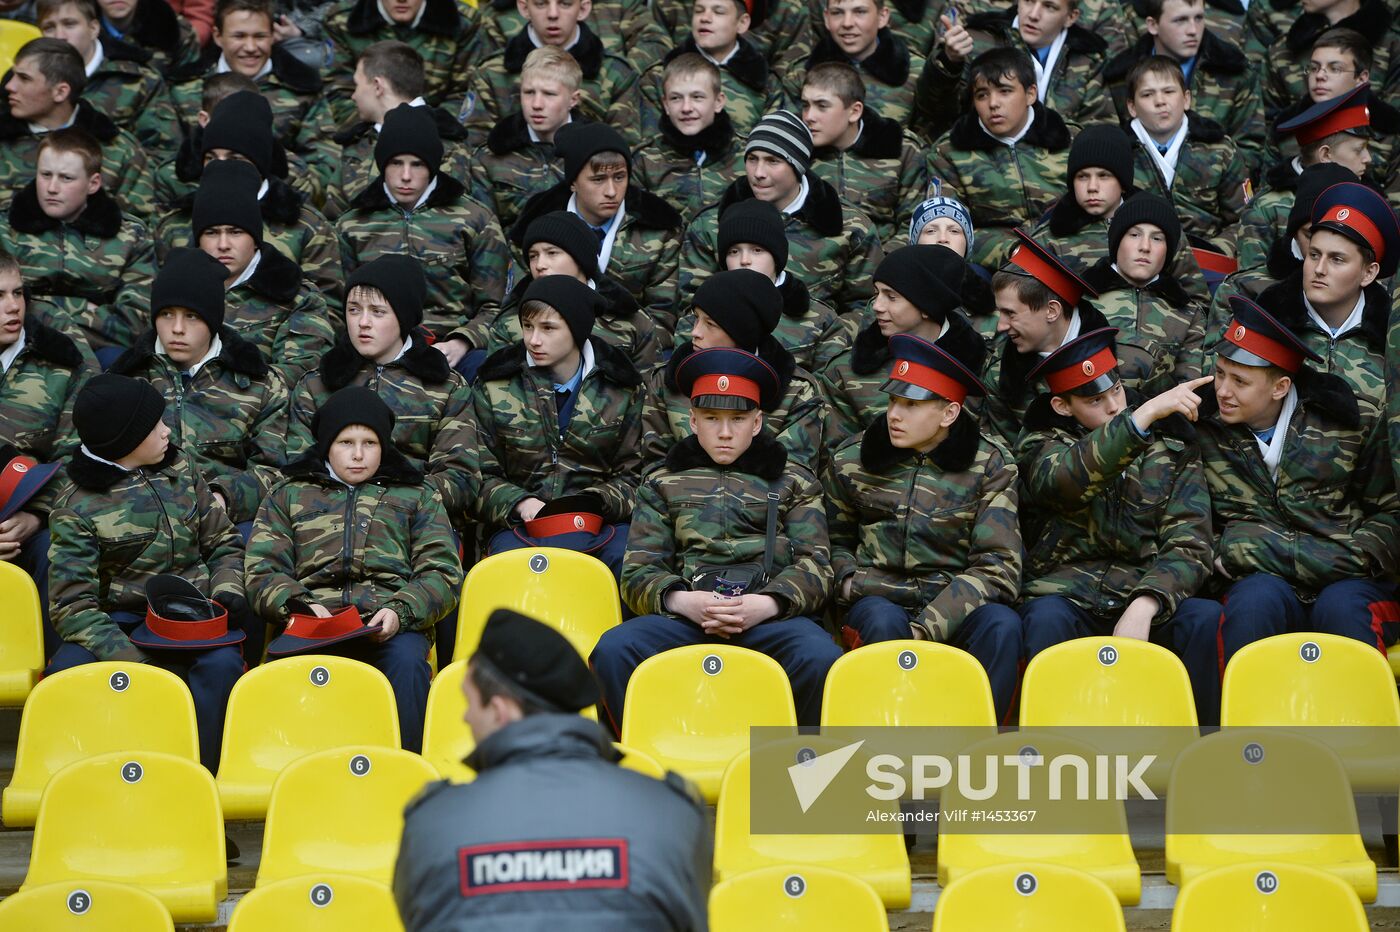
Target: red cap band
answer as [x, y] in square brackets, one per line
[1071, 377]
[210, 630]
[725, 385]
[1353, 219]
[573, 522]
[1211, 260]
[937, 382]
[1065, 286]
[345, 621]
[13, 474]
[1338, 121]
[1285, 357]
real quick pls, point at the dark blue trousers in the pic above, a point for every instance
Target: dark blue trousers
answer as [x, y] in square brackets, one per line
[403, 659]
[610, 553]
[1190, 634]
[1261, 606]
[34, 559]
[801, 646]
[470, 362]
[210, 674]
[992, 634]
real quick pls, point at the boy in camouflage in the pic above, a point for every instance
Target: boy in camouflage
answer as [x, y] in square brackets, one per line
[871, 161]
[707, 508]
[1100, 176]
[942, 220]
[415, 209]
[857, 34]
[356, 501]
[692, 156]
[155, 28]
[91, 263]
[939, 559]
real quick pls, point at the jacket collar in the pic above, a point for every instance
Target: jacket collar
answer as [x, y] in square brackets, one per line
[512, 134]
[101, 218]
[1047, 132]
[1373, 19]
[448, 128]
[341, 363]
[765, 457]
[880, 137]
[237, 355]
[823, 211]
[588, 51]
[797, 300]
[88, 473]
[156, 26]
[1215, 56]
[373, 198]
[1068, 218]
[610, 363]
[394, 469]
[715, 140]
[871, 350]
[276, 278]
[541, 737]
[440, 18]
[1321, 392]
[50, 345]
[954, 454]
[1281, 176]
[770, 351]
[889, 63]
[114, 49]
[748, 66]
[84, 117]
[644, 210]
[1104, 279]
[1284, 300]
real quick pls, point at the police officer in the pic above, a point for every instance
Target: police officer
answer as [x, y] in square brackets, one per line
[552, 833]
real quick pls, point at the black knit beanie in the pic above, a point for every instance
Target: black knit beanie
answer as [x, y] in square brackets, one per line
[192, 279]
[745, 303]
[228, 196]
[570, 233]
[1145, 207]
[757, 222]
[114, 413]
[242, 122]
[353, 404]
[409, 130]
[1103, 145]
[928, 277]
[400, 279]
[576, 143]
[572, 299]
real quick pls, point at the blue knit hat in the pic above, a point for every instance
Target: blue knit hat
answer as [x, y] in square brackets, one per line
[949, 207]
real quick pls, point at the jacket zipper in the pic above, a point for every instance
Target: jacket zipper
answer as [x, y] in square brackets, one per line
[346, 544]
[165, 515]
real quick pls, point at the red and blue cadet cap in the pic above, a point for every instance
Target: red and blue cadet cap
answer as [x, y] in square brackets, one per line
[1085, 366]
[308, 634]
[1254, 338]
[1346, 113]
[923, 370]
[1030, 258]
[571, 522]
[21, 478]
[728, 379]
[1362, 215]
[179, 617]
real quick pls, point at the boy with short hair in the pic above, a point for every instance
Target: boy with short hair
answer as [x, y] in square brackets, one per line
[869, 159]
[857, 33]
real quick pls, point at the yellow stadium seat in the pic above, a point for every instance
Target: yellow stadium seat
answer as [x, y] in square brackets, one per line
[143, 818]
[632, 759]
[96, 709]
[1331, 681]
[909, 683]
[880, 859]
[341, 810]
[326, 902]
[691, 708]
[572, 592]
[789, 899]
[85, 906]
[1393, 656]
[446, 737]
[1268, 780]
[1021, 897]
[1267, 897]
[13, 36]
[1123, 695]
[1100, 847]
[21, 635]
[286, 709]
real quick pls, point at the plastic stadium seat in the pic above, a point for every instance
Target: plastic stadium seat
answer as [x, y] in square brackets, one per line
[1135, 695]
[911, 683]
[21, 634]
[341, 810]
[96, 709]
[796, 899]
[880, 859]
[286, 709]
[85, 906]
[318, 903]
[1268, 897]
[1028, 896]
[691, 708]
[13, 36]
[1393, 656]
[570, 591]
[632, 759]
[143, 818]
[1100, 847]
[446, 737]
[1331, 681]
[1273, 780]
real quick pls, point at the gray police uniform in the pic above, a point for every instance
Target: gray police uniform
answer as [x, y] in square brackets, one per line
[553, 835]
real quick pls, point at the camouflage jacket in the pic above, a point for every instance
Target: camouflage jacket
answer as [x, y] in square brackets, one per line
[298, 230]
[127, 174]
[113, 530]
[1331, 514]
[1392, 376]
[511, 168]
[428, 399]
[1117, 23]
[1110, 514]
[458, 241]
[833, 247]
[229, 419]
[354, 169]
[130, 91]
[796, 422]
[96, 271]
[784, 33]
[885, 174]
[443, 36]
[670, 165]
[645, 252]
[517, 450]
[935, 533]
[1209, 189]
[281, 314]
[914, 21]
[751, 89]
[1264, 23]
[36, 400]
[625, 27]
[1161, 328]
[852, 380]
[1285, 80]
[1005, 186]
[693, 514]
[385, 543]
[1224, 87]
[168, 37]
[610, 93]
[889, 73]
